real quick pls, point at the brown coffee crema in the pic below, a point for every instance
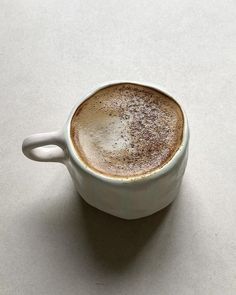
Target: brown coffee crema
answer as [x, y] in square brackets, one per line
[127, 130]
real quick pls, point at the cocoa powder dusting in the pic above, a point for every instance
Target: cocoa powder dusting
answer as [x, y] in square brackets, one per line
[127, 130]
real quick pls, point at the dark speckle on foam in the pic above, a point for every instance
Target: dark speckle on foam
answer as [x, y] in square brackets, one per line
[127, 130]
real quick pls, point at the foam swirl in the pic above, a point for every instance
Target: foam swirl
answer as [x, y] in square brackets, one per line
[127, 130]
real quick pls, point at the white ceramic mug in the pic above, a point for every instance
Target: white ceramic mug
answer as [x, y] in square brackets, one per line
[125, 198]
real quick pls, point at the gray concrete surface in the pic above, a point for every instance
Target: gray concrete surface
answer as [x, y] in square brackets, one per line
[51, 53]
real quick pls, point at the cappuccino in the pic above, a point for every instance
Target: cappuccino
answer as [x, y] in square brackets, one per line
[127, 130]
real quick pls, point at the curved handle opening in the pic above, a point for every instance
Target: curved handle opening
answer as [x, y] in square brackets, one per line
[45, 147]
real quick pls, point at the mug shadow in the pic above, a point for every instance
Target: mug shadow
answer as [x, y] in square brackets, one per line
[115, 243]
[83, 235]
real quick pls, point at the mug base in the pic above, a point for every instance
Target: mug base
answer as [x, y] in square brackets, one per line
[132, 215]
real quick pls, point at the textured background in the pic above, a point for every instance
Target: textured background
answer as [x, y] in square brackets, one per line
[53, 52]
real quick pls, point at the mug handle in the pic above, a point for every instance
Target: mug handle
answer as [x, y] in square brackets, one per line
[34, 148]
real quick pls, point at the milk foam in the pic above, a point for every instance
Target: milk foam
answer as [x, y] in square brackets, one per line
[127, 130]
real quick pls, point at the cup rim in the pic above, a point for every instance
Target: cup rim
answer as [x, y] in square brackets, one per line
[156, 173]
